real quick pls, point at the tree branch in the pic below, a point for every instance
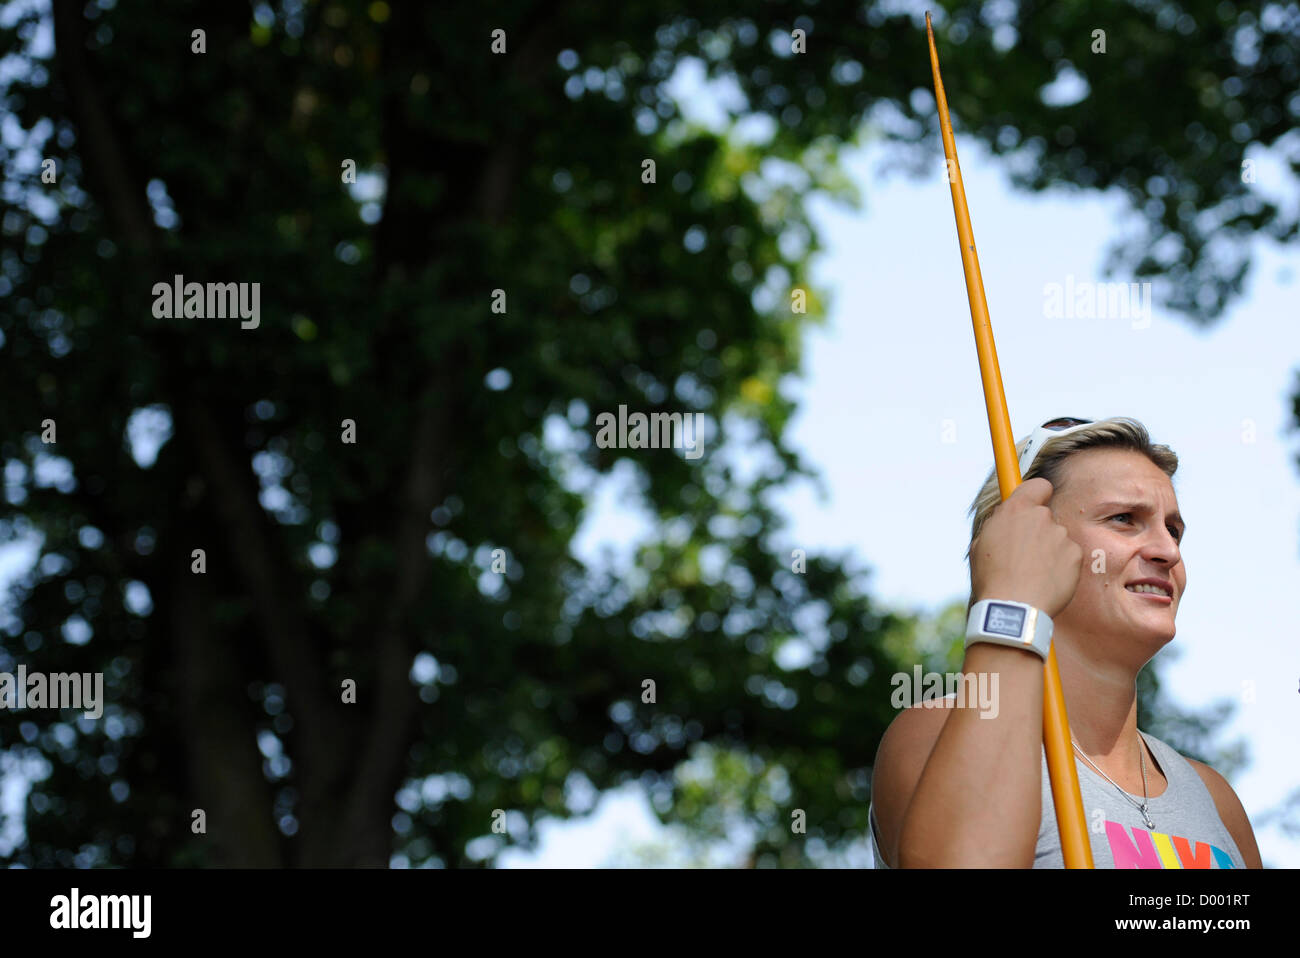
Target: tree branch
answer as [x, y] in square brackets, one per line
[105, 164]
[253, 551]
[392, 717]
[225, 773]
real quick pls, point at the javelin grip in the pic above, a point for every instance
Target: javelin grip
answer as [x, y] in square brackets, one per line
[1067, 799]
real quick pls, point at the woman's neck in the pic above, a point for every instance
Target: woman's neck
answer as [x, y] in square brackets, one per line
[1101, 701]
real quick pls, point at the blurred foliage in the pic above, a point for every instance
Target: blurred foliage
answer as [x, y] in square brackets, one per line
[520, 172]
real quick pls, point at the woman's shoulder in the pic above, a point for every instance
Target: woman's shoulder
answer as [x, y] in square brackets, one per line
[1226, 803]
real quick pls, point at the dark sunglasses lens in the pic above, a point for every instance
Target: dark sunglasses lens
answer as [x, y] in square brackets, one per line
[1065, 423]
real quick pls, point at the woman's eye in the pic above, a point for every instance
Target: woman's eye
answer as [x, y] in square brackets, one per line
[1173, 530]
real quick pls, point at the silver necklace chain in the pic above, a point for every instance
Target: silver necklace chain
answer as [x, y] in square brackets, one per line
[1145, 800]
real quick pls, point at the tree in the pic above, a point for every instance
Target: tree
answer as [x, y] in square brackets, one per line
[506, 268]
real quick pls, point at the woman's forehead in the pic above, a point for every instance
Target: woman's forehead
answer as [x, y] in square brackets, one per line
[1122, 474]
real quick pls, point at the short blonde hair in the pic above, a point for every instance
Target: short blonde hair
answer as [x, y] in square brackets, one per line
[1118, 432]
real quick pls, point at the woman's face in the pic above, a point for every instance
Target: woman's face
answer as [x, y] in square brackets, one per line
[1121, 509]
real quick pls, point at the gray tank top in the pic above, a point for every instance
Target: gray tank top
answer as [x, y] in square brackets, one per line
[1189, 832]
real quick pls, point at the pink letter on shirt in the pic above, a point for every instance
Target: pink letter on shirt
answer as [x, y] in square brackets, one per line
[1127, 854]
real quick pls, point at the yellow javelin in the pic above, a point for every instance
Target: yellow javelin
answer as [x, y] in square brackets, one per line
[1075, 847]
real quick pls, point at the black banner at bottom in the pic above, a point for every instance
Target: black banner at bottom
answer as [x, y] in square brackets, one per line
[257, 908]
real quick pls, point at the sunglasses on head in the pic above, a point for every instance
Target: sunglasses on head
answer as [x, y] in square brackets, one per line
[1053, 427]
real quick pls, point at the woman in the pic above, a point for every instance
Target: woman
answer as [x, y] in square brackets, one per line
[1089, 544]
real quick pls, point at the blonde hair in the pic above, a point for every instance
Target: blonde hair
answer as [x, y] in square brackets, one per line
[1118, 432]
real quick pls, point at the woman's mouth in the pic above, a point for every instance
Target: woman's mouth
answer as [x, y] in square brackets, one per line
[1149, 592]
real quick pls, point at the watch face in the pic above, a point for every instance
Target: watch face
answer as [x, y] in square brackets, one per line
[1002, 619]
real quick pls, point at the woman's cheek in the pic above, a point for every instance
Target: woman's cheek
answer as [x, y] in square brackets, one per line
[1099, 562]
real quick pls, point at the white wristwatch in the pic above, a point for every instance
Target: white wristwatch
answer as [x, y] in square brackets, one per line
[1004, 622]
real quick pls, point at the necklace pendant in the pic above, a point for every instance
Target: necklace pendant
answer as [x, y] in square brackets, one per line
[1147, 818]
